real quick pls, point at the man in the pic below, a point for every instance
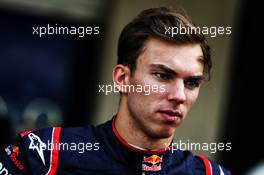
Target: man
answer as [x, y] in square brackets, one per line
[138, 139]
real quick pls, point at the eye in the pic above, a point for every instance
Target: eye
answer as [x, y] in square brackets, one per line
[162, 76]
[192, 84]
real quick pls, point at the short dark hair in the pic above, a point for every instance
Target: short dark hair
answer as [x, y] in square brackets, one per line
[152, 23]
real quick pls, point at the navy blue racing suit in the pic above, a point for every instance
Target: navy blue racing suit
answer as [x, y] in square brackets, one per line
[96, 150]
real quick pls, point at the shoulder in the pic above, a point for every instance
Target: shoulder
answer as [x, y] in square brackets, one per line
[42, 138]
[43, 147]
[30, 152]
[42, 151]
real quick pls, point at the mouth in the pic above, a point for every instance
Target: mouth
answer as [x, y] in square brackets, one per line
[171, 115]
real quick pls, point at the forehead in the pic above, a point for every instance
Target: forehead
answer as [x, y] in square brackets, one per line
[186, 56]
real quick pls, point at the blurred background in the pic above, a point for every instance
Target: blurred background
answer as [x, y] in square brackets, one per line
[53, 80]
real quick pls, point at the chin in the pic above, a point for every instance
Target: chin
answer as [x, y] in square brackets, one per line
[166, 134]
[163, 133]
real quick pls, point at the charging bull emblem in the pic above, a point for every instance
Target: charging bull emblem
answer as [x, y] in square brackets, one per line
[152, 163]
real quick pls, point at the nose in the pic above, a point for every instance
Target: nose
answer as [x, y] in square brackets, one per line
[177, 92]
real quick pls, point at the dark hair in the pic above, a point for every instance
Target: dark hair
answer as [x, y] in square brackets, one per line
[152, 23]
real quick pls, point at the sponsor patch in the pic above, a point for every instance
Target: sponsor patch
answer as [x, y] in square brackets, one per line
[13, 152]
[37, 144]
[152, 163]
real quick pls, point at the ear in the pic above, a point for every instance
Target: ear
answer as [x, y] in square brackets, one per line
[121, 77]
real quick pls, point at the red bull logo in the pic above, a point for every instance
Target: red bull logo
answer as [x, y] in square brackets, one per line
[152, 163]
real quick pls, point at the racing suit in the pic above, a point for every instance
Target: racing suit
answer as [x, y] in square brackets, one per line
[96, 150]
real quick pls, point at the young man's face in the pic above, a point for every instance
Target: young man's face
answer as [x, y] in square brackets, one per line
[177, 71]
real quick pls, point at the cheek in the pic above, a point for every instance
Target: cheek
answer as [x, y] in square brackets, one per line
[191, 97]
[148, 95]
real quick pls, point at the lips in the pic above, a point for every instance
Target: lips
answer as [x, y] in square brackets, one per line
[170, 115]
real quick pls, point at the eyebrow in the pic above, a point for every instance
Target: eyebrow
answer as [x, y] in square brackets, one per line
[168, 70]
[163, 68]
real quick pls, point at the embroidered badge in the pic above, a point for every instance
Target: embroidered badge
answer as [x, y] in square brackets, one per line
[13, 153]
[152, 163]
[37, 144]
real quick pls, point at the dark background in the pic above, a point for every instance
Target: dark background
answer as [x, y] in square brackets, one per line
[56, 77]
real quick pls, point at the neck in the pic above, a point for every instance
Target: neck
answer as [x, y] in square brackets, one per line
[130, 133]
